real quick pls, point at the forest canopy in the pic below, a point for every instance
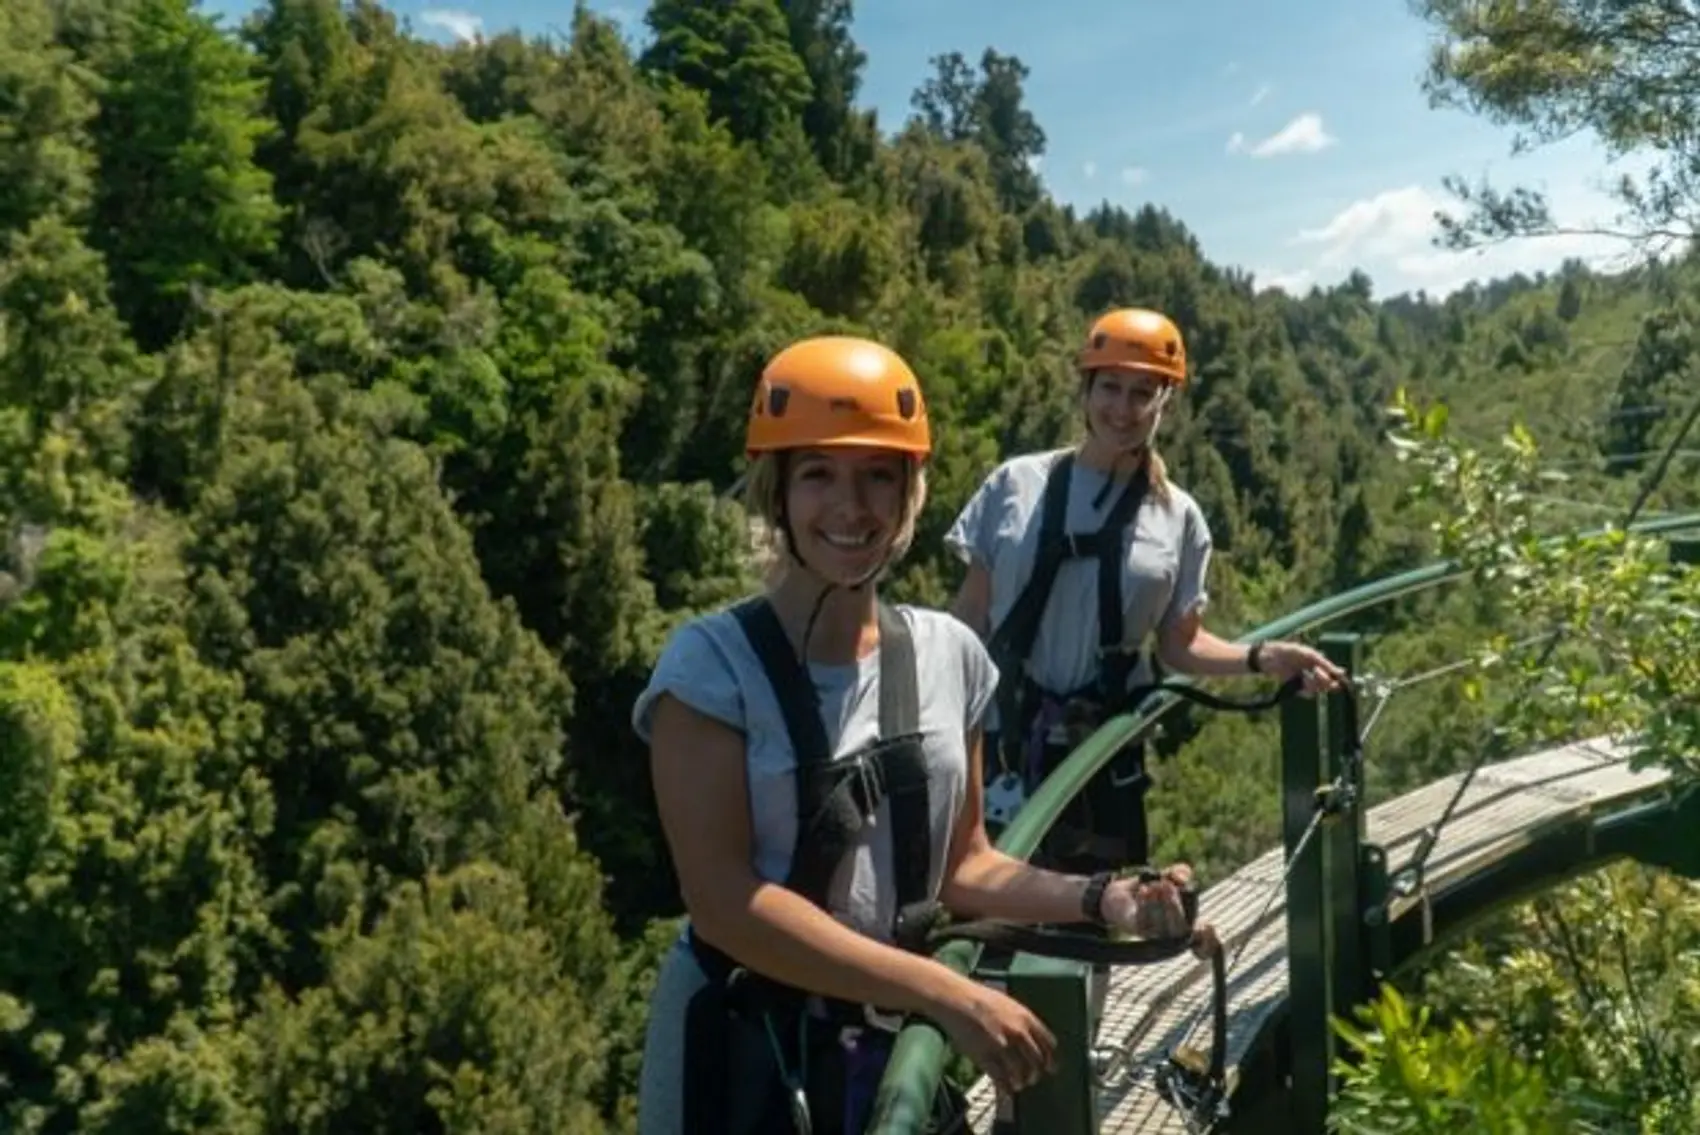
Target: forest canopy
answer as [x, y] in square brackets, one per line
[370, 412]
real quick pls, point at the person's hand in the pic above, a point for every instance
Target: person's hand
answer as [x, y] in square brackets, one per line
[999, 1034]
[1148, 909]
[1286, 660]
[1154, 909]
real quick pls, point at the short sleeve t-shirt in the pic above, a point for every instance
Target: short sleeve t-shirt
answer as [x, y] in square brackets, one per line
[710, 665]
[1164, 564]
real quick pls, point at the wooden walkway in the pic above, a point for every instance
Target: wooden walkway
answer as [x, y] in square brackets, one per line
[1148, 1009]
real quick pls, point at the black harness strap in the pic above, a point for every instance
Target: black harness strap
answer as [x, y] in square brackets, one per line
[837, 798]
[906, 765]
[1115, 660]
[1201, 696]
[1011, 644]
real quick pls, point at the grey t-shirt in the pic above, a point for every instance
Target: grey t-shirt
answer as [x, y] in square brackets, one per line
[709, 665]
[1164, 567]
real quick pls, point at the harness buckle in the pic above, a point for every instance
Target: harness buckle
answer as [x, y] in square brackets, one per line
[871, 772]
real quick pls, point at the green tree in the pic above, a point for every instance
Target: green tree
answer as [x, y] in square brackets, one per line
[988, 108]
[844, 138]
[1621, 71]
[46, 103]
[181, 203]
[738, 53]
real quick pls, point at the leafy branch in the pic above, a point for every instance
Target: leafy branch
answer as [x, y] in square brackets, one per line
[1628, 615]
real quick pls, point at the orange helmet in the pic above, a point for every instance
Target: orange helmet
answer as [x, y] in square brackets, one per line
[838, 390]
[1136, 339]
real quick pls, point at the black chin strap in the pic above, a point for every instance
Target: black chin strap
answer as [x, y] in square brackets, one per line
[1140, 452]
[797, 558]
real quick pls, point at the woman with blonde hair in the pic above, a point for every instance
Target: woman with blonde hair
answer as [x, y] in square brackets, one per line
[1077, 557]
[813, 788]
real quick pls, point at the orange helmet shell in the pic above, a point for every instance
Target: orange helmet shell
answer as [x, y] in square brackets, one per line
[1139, 340]
[838, 390]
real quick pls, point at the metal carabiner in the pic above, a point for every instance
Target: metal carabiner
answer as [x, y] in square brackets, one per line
[797, 1099]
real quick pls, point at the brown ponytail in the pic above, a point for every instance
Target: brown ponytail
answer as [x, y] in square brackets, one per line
[1158, 472]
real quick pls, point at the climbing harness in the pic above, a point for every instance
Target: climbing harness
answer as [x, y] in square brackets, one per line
[836, 799]
[1031, 718]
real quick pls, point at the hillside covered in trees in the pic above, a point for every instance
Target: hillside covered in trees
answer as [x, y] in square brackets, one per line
[370, 410]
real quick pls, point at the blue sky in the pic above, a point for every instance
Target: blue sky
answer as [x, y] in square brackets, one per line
[1292, 137]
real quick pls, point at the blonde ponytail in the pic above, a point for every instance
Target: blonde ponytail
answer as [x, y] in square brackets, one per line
[1158, 472]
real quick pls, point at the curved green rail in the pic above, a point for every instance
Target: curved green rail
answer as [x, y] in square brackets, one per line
[904, 1103]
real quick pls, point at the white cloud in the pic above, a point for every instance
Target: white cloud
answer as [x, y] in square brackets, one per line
[1391, 221]
[1390, 236]
[1293, 283]
[1303, 135]
[461, 25]
[1091, 169]
[1262, 93]
[1134, 175]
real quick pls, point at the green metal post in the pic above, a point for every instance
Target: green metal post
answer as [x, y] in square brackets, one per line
[1057, 990]
[1342, 842]
[1307, 931]
[1374, 883]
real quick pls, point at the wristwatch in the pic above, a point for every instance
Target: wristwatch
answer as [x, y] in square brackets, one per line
[1253, 659]
[1092, 899]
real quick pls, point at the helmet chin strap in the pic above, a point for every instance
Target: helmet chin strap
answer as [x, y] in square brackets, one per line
[827, 585]
[1137, 449]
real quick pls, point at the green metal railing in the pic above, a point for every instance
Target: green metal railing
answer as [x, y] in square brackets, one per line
[904, 1104]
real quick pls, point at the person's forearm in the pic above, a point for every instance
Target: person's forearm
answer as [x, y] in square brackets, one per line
[990, 884]
[778, 933]
[1208, 656]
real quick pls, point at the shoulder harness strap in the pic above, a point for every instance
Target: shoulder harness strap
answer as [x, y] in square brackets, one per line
[1115, 660]
[1011, 643]
[905, 759]
[837, 798]
[1014, 637]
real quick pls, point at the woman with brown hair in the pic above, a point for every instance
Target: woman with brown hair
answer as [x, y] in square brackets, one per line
[1077, 558]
